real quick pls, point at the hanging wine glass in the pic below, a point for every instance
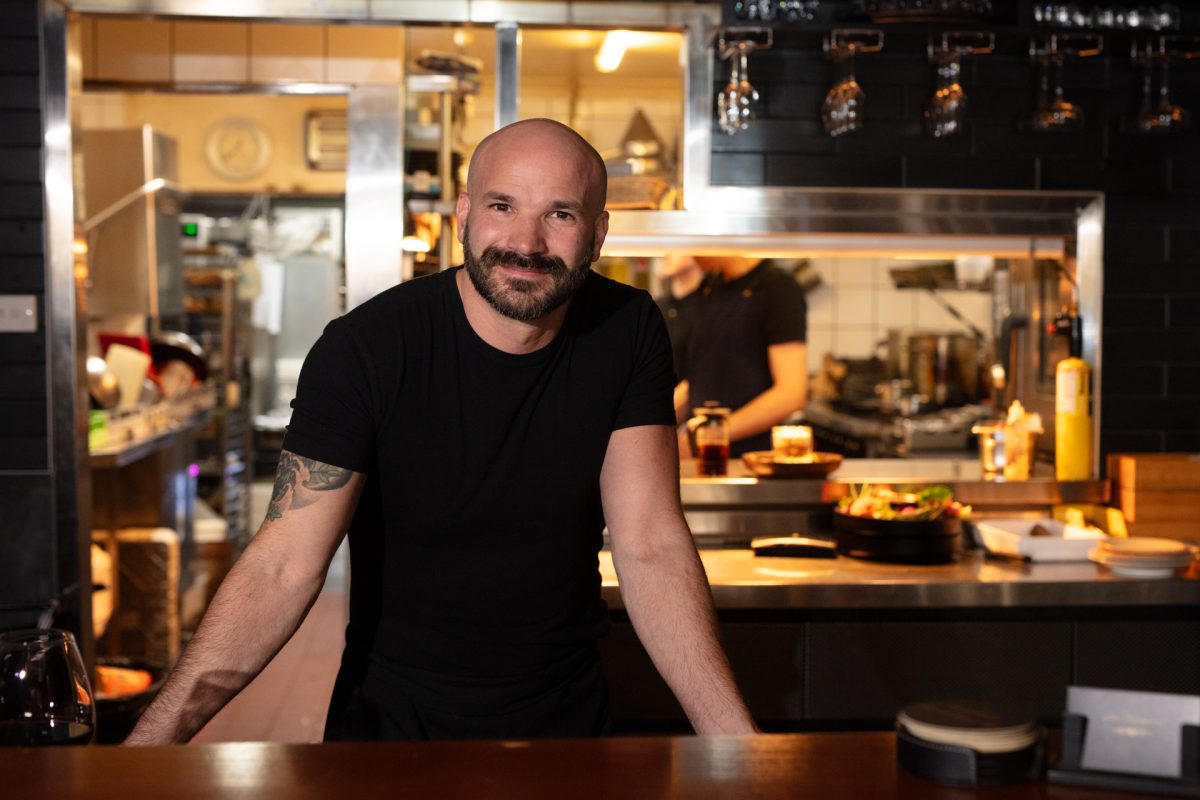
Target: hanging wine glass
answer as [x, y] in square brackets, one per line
[728, 112]
[946, 111]
[842, 108]
[737, 102]
[45, 695]
[1054, 113]
[1161, 116]
[841, 113]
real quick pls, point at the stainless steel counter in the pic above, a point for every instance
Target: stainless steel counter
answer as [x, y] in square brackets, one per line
[740, 580]
[733, 509]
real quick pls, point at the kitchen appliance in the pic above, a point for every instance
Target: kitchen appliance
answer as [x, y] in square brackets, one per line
[865, 433]
[942, 368]
[132, 202]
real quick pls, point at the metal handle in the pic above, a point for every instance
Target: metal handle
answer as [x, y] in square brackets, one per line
[842, 42]
[1058, 45]
[961, 43]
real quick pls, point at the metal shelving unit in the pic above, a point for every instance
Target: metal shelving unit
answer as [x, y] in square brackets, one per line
[220, 322]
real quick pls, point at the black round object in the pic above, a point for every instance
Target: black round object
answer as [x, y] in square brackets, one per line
[116, 716]
[174, 345]
[921, 541]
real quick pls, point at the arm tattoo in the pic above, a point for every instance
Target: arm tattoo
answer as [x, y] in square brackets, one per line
[313, 476]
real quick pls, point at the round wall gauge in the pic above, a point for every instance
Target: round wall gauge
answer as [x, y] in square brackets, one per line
[237, 148]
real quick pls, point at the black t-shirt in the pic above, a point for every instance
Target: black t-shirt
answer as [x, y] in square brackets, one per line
[474, 546]
[680, 314]
[735, 324]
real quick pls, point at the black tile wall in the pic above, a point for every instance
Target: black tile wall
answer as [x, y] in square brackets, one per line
[1151, 347]
[23, 402]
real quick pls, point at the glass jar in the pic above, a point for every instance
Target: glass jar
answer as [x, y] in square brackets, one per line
[708, 430]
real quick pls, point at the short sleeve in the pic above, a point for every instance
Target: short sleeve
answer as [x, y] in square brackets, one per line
[331, 414]
[787, 311]
[648, 398]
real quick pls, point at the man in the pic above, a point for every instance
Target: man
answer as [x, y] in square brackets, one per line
[746, 350]
[475, 430]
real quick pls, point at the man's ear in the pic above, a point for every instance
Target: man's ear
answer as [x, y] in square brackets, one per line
[601, 232]
[461, 209]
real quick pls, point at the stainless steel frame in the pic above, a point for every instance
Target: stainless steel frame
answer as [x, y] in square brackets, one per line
[597, 13]
[508, 73]
[764, 220]
[61, 81]
[375, 193]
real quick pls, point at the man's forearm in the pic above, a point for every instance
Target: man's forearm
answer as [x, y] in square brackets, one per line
[253, 614]
[767, 409]
[667, 596]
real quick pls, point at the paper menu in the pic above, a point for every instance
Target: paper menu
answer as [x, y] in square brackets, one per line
[1135, 732]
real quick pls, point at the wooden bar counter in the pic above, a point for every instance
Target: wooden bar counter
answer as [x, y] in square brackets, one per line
[831, 766]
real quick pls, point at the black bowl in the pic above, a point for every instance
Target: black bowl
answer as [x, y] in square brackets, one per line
[908, 541]
[116, 715]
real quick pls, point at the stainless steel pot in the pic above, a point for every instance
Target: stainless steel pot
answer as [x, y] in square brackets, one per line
[943, 368]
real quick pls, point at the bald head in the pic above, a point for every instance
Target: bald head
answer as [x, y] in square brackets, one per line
[546, 140]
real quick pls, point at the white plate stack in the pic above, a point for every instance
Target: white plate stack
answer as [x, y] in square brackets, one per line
[974, 725]
[1143, 556]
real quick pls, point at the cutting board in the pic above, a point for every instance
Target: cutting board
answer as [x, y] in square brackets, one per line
[1155, 471]
[1154, 505]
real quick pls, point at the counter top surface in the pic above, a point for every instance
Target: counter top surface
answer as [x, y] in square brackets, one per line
[964, 476]
[741, 580]
[826, 765]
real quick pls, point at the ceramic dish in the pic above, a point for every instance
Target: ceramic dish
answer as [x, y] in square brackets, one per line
[764, 465]
[1140, 566]
[1059, 542]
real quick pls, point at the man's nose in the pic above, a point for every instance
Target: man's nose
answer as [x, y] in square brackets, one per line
[526, 235]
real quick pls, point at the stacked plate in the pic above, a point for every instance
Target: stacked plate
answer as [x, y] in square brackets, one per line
[973, 725]
[1142, 556]
[968, 743]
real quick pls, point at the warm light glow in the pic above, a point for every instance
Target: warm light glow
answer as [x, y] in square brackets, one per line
[622, 242]
[612, 50]
[414, 244]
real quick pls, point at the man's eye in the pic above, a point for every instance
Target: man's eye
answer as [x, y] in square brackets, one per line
[564, 216]
[500, 206]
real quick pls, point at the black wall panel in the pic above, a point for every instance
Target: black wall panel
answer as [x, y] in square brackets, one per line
[1151, 346]
[27, 547]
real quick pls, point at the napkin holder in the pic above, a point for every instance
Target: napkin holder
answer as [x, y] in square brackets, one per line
[1069, 769]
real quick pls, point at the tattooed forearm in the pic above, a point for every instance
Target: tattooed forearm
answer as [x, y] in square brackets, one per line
[313, 476]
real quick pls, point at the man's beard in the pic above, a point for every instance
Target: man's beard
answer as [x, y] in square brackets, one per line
[522, 300]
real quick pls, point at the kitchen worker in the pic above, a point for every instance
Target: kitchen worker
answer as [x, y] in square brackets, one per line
[475, 430]
[678, 304]
[746, 350]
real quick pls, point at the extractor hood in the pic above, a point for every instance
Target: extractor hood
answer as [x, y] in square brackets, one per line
[797, 221]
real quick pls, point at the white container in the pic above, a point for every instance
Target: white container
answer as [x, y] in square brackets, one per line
[1012, 537]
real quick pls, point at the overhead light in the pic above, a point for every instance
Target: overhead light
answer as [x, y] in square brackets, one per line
[612, 50]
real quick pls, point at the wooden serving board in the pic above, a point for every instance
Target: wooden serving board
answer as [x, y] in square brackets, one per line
[1156, 471]
[1181, 531]
[1154, 505]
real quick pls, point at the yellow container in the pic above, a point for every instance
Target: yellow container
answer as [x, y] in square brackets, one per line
[1072, 420]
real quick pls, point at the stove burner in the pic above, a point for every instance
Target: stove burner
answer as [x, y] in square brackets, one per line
[855, 432]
